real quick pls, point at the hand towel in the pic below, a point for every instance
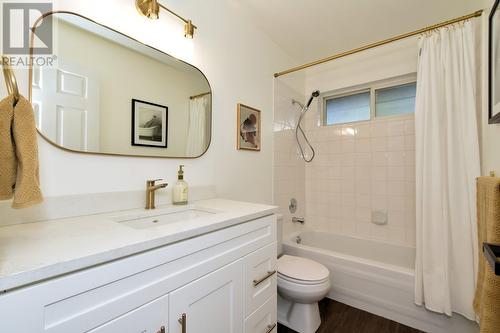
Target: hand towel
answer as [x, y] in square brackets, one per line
[8, 162]
[19, 148]
[487, 297]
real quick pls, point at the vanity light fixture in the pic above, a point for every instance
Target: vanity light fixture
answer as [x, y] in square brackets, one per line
[151, 9]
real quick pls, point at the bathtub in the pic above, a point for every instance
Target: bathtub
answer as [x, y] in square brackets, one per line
[373, 276]
[147, 131]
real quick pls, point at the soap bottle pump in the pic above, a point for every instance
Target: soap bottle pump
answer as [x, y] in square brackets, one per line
[180, 189]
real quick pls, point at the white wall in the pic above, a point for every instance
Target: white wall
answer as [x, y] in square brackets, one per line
[388, 61]
[239, 62]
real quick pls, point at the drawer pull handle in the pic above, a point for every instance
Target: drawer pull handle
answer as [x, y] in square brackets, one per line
[270, 328]
[259, 281]
[183, 322]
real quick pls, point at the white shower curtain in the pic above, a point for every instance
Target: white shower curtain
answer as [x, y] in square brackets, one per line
[197, 128]
[447, 161]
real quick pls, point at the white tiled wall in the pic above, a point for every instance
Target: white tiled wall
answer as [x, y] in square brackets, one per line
[289, 180]
[289, 169]
[361, 168]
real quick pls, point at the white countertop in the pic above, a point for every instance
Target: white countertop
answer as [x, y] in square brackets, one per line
[36, 251]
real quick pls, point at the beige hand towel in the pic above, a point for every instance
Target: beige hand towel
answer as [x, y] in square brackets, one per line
[8, 162]
[487, 297]
[21, 136]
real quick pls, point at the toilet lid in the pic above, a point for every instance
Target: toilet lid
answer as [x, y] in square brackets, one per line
[302, 268]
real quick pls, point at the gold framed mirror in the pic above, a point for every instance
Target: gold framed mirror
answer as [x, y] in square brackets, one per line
[107, 93]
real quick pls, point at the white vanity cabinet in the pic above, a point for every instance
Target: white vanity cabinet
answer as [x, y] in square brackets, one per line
[223, 281]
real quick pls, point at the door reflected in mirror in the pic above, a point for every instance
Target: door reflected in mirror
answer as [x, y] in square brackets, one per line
[108, 93]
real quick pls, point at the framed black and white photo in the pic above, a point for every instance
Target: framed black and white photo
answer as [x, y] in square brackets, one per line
[149, 124]
[494, 62]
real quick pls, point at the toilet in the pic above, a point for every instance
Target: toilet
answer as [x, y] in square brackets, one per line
[302, 283]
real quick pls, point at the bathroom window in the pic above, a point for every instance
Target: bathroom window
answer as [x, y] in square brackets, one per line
[396, 100]
[386, 98]
[349, 108]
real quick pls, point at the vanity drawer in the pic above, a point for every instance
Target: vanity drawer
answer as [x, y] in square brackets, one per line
[149, 318]
[264, 320]
[260, 277]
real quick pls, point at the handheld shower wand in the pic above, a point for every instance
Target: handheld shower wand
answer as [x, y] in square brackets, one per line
[299, 128]
[313, 95]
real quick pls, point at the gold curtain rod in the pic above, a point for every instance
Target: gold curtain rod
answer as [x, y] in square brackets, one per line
[380, 43]
[200, 95]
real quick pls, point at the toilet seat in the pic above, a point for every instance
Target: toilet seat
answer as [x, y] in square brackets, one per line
[302, 270]
[301, 282]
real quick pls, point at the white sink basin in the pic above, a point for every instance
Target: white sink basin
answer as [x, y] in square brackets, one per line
[162, 217]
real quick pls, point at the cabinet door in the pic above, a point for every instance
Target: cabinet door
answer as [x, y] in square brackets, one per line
[213, 303]
[149, 318]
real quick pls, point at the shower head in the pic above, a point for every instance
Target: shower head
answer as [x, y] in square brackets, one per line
[314, 94]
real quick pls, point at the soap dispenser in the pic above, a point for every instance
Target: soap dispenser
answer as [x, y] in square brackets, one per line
[180, 189]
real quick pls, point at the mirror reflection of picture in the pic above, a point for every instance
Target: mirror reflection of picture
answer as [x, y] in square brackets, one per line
[494, 57]
[249, 128]
[149, 124]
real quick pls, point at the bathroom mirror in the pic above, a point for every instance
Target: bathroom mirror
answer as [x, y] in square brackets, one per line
[107, 93]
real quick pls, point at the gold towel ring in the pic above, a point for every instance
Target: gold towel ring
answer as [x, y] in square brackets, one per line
[10, 79]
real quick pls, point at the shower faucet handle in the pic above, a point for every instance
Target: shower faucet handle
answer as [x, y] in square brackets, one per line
[300, 220]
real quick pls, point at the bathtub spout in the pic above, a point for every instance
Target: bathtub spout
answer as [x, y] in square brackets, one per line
[298, 220]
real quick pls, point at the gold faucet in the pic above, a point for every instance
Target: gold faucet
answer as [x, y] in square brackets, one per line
[151, 188]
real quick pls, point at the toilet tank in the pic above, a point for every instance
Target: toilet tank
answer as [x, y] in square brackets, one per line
[279, 232]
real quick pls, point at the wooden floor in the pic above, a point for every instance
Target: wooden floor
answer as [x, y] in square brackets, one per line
[340, 318]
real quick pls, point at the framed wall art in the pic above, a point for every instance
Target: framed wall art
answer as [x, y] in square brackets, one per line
[149, 124]
[249, 128]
